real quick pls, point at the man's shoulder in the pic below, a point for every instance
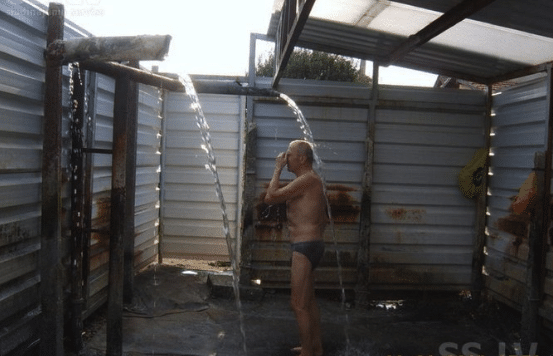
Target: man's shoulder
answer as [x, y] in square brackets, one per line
[311, 177]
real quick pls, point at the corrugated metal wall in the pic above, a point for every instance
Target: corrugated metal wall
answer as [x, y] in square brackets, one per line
[191, 214]
[518, 129]
[148, 170]
[422, 227]
[22, 44]
[340, 130]
[22, 40]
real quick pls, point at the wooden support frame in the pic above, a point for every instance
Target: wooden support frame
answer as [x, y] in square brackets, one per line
[119, 196]
[477, 280]
[132, 145]
[51, 338]
[124, 48]
[363, 262]
[293, 17]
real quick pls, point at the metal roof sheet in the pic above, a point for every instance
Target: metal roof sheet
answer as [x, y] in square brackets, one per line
[501, 38]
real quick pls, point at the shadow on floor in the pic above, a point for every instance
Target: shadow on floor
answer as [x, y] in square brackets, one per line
[175, 313]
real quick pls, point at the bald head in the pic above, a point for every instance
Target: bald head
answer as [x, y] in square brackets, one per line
[303, 148]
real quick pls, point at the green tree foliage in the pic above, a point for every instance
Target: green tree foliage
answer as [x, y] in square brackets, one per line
[307, 64]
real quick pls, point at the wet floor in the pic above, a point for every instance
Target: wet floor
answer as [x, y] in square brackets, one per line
[176, 312]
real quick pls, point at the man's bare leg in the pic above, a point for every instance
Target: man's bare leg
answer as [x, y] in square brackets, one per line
[316, 324]
[304, 305]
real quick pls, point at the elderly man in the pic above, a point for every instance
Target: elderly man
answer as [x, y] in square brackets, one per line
[307, 218]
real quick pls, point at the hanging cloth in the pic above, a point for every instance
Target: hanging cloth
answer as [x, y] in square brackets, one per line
[471, 177]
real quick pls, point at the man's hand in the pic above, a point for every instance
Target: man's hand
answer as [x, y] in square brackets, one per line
[280, 161]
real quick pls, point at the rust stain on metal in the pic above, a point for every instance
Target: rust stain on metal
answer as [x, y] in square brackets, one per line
[403, 275]
[103, 219]
[104, 212]
[342, 205]
[11, 233]
[516, 225]
[402, 214]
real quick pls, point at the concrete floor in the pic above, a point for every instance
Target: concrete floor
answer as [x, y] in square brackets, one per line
[176, 313]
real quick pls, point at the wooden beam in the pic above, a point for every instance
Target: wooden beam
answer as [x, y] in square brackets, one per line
[292, 20]
[229, 87]
[118, 216]
[51, 269]
[124, 48]
[440, 25]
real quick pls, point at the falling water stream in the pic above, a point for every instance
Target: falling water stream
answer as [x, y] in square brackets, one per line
[308, 136]
[211, 165]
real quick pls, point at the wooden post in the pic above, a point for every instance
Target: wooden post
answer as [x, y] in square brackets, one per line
[132, 132]
[479, 242]
[248, 197]
[534, 264]
[51, 340]
[363, 263]
[250, 177]
[118, 217]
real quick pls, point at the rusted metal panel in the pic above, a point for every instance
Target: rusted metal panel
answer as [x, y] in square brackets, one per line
[422, 228]
[517, 133]
[191, 213]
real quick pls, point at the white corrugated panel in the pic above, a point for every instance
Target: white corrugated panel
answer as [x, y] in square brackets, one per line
[22, 39]
[422, 227]
[100, 135]
[148, 160]
[191, 213]
[519, 130]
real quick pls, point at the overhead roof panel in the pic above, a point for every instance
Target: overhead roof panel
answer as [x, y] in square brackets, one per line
[532, 16]
[372, 29]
